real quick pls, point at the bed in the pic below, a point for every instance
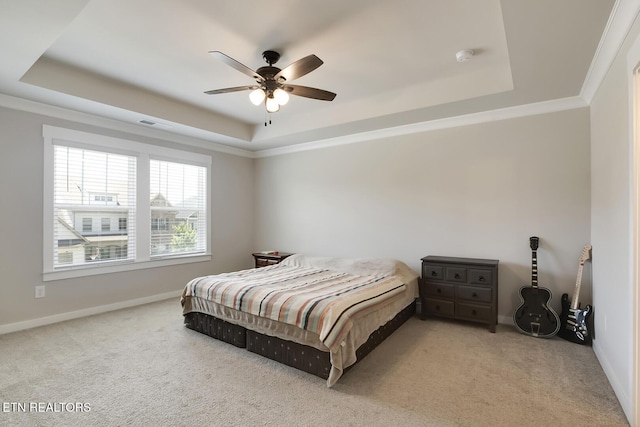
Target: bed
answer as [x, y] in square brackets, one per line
[317, 314]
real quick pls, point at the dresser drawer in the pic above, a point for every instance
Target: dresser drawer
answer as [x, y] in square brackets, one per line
[438, 290]
[480, 276]
[440, 307]
[474, 293]
[473, 311]
[456, 274]
[434, 272]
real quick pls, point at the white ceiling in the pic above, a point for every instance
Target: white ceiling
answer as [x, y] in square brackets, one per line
[390, 63]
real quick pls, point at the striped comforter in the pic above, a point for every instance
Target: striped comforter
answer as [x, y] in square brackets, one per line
[318, 300]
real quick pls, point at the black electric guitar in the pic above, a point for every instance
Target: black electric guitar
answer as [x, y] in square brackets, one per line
[534, 316]
[573, 319]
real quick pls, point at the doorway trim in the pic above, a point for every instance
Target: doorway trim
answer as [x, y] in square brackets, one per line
[633, 69]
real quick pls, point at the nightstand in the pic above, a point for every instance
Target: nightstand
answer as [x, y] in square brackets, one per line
[460, 288]
[264, 260]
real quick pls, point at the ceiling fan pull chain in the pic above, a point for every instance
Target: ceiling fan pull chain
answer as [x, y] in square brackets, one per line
[265, 118]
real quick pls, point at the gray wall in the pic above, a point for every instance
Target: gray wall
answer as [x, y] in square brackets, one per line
[21, 227]
[612, 225]
[472, 191]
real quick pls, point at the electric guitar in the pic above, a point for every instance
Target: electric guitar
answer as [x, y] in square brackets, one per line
[573, 319]
[534, 316]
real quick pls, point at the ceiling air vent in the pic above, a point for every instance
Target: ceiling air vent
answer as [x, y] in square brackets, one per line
[155, 124]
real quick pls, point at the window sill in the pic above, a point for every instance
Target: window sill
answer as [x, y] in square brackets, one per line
[82, 271]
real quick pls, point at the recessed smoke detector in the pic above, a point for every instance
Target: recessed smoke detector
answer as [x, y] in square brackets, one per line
[464, 55]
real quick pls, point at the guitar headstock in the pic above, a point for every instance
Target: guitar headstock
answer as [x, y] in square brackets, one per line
[586, 254]
[533, 242]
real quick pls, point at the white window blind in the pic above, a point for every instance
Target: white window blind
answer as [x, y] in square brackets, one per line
[117, 205]
[178, 208]
[92, 190]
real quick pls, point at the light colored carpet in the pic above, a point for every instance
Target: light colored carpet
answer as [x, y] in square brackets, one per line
[142, 367]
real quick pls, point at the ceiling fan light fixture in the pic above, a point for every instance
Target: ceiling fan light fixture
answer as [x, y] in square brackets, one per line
[257, 96]
[281, 96]
[272, 105]
[268, 87]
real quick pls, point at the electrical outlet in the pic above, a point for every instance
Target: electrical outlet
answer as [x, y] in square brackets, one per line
[40, 291]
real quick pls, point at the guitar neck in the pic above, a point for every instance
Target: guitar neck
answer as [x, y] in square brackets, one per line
[534, 269]
[576, 291]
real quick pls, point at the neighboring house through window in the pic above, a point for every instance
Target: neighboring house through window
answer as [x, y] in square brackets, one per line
[96, 217]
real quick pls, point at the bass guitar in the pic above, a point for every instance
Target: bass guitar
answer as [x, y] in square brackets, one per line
[574, 319]
[534, 316]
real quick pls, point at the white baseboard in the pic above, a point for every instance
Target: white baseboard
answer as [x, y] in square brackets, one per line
[505, 320]
[28, 324]
[621, 393]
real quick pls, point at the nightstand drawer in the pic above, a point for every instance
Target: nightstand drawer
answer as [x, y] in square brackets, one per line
[261, 262]
[266, 259]
[473, 311]
[480, 276]
[438, 290]
[474, 293]
[440, 307]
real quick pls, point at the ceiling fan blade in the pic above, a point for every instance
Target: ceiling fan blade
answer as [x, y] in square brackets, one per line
[310, 92]
[235, 64]
[231, 89]
[299, 68]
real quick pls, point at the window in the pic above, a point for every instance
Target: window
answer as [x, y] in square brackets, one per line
[155, 196]
[159, 224]
[177, 201]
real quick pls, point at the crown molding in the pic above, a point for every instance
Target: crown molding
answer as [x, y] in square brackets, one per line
[117, 125]
[622, 17]
[449, 122]
[464, 120]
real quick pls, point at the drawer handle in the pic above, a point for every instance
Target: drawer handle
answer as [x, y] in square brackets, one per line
[439, 290]
[481, 279]
[474, 295]
[457, 276]
[433, 273]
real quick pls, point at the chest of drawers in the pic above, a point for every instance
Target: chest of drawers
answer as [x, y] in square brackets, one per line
[460, 288]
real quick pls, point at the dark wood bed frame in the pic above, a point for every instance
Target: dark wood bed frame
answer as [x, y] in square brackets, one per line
[305, 358]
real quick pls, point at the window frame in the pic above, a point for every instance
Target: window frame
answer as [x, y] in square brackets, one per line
[144, 153]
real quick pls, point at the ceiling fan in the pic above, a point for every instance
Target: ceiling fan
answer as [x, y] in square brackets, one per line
[272, 85]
